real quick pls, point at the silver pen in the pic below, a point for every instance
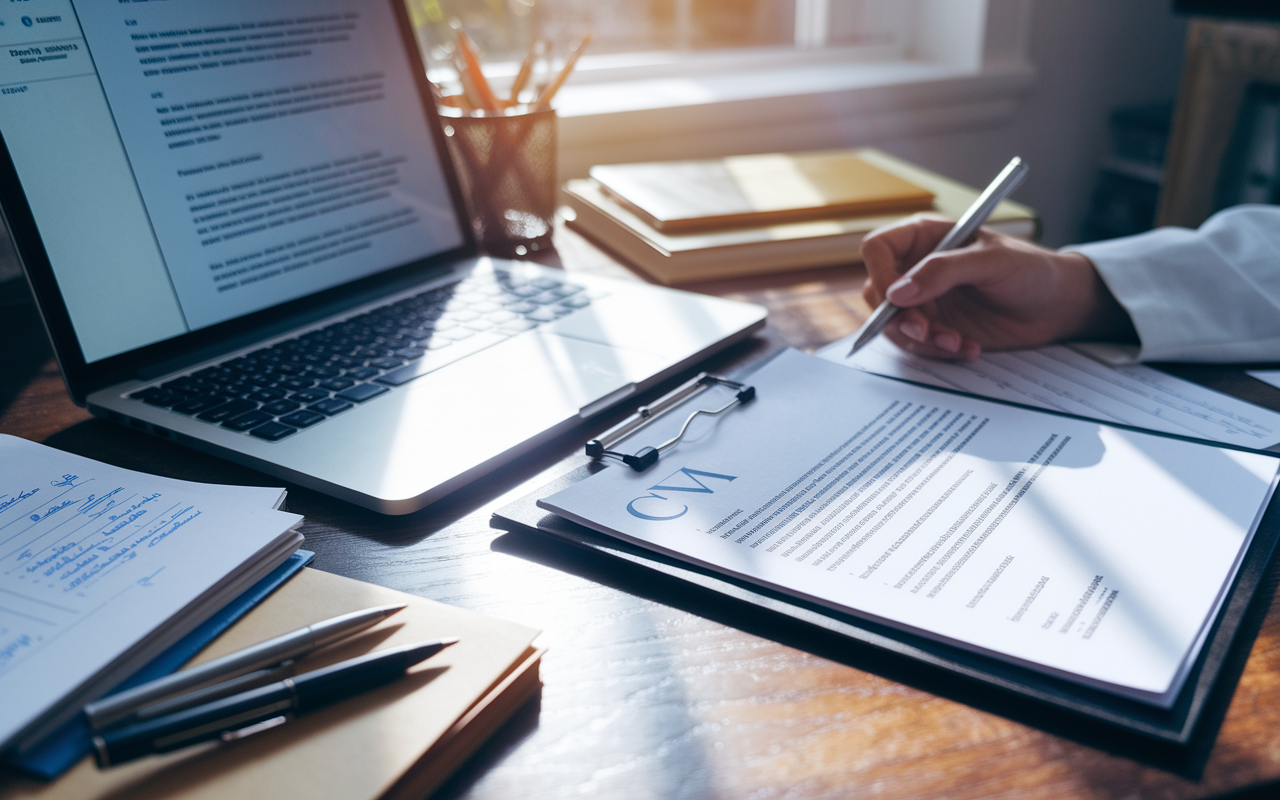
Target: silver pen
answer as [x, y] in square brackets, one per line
[125, 705]
[959, 235]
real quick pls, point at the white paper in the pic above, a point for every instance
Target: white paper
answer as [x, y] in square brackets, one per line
[94, 558]
[1271, 376]
[1061, 379]
[1089, 552]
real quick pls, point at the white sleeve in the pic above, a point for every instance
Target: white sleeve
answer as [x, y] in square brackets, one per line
[1209, 295]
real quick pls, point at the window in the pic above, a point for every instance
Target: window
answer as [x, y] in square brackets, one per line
[668, 79]
[642, 33]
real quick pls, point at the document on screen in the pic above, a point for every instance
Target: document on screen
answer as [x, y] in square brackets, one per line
[1088, 552]
[278, 151]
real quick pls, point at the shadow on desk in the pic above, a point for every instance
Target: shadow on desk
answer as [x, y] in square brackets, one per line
[658, 586]
[522, 725]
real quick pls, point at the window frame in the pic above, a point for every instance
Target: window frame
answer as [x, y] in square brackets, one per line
[953, 65]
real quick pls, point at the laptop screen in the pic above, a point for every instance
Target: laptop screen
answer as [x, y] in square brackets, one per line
[190, 162]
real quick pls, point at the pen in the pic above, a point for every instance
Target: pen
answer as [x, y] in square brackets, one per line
[526, 69]
[260, 709]
[484, 93]
[958, 236]
[470, 92]
[544, 98]
[215, 691]
[124, 705]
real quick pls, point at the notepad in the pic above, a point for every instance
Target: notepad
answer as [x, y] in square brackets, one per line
[102, 569]
[1087, 552]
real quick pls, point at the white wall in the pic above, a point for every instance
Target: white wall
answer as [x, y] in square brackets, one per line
[1090, 57]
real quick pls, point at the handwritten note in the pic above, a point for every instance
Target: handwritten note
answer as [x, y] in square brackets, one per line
[94, 559]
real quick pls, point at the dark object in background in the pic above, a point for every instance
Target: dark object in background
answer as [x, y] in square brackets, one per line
[1128, 189]
[1251, 167]
[1122, 205]
[1240, 9]
[1139, 134]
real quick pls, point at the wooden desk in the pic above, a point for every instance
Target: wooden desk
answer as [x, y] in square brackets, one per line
[643, 699]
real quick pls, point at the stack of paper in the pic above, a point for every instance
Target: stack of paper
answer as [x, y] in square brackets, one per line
[102, 569]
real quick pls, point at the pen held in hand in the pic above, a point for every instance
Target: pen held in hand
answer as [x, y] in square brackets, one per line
[262, 708]
[960, 234]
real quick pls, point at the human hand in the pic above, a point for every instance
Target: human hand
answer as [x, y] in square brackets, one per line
[996, 293]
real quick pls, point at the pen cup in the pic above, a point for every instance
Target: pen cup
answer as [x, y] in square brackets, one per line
[506, 165]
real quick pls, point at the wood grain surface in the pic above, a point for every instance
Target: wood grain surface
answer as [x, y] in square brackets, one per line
[645, 698]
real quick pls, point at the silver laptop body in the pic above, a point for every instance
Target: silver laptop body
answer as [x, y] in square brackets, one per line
[249, 243]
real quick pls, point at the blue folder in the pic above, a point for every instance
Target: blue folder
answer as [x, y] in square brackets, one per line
[63, 748]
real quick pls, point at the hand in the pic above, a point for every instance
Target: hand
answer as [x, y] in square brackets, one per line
[996, 293]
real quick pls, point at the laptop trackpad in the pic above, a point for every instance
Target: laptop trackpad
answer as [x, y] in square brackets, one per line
[560, 370]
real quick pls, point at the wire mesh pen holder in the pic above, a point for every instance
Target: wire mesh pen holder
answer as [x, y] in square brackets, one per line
[506, 165]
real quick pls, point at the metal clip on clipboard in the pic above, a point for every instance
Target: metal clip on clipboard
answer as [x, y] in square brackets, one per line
[646, 457]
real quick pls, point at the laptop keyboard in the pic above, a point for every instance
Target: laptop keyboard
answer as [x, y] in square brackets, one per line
[277, 391]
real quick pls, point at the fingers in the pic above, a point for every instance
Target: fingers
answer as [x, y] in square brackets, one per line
[893, 249]
[913, 325]
[911, 330]
[939, 273]
[914, 332]
[872, 296]
[969, 350]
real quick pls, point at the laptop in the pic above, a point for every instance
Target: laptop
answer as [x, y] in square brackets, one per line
[244, 235]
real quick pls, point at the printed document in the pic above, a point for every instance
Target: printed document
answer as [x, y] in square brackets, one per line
[1061, 379]
[1089, 552]
[95, 560]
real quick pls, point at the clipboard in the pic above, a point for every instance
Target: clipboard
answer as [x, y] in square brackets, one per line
[1178, 738]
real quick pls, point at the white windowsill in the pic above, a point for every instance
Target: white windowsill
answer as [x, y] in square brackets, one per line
[702, 88]
[651, 64]
[782, 107]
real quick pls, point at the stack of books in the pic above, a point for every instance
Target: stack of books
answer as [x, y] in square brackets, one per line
[743, 215]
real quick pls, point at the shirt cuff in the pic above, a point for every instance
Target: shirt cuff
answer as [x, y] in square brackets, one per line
[1139, 291]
